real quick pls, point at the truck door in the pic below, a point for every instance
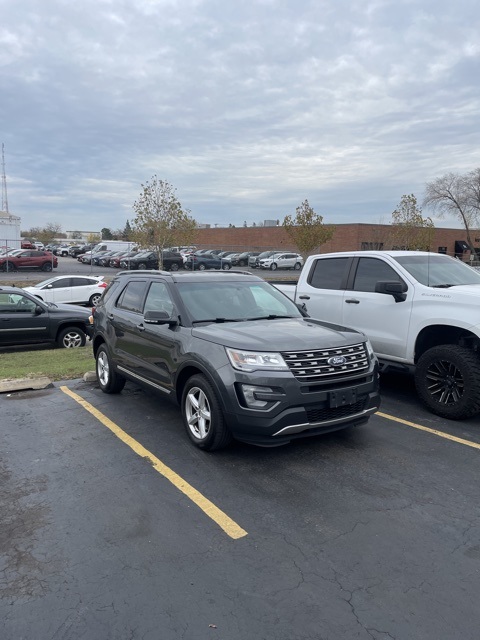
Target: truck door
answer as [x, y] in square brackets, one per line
[385, 321]
[323, 290]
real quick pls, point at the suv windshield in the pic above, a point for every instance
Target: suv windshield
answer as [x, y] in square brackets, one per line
[439, 271]
[235, 301]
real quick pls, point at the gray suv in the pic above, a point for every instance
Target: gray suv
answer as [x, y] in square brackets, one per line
[238, 356]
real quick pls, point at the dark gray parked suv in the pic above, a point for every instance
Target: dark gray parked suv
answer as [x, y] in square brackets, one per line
[239, 357]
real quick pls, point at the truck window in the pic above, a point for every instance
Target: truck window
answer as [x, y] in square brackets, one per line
[329, 273]
[370, 271]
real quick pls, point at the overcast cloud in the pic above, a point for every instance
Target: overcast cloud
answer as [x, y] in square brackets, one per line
[247, 108]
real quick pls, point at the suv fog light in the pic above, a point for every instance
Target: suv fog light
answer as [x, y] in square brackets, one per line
[251, 400]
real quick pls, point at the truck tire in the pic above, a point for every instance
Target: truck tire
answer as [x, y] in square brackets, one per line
[142, 266]
[108, 380]
[71, 337]
[174, 267]
[202, 415]
[447, 379]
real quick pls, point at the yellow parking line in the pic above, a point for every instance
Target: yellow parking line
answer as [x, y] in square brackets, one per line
[441, 434]
[230, 527]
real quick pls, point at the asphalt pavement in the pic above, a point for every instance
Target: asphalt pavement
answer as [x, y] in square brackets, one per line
[370, 533]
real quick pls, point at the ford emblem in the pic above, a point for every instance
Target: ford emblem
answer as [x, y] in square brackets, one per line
[337, 361]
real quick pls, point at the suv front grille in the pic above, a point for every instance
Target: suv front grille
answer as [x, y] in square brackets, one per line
[309, 366]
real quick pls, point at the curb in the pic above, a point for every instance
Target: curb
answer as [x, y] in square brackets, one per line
[21, 384]
[25, 384]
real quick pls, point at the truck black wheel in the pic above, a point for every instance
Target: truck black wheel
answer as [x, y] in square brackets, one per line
[108, 380]
[203, 416]
[447, 379]
[142, 266]
[71, 337]
[174, 266]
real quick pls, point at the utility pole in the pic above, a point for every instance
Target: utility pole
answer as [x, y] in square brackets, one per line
[4, 183]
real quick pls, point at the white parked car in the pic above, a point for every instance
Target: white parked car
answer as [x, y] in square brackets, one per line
[282, 261]
[73, 289]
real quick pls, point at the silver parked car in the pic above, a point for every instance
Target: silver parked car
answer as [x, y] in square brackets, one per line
[282, 261]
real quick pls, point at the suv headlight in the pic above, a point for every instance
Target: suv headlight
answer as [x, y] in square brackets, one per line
[256, 360]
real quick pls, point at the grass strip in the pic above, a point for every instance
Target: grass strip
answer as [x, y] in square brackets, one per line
[56, 364]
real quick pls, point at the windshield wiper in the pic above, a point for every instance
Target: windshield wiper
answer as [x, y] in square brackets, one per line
[218, 320]
[272, 316]
[443, 286]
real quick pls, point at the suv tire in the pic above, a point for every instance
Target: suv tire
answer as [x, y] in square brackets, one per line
[71, 337]
[47, 266]
[273, 266]
[108, 380]
[174, 267]
[297, 266]
[448, 381]
[203, 416]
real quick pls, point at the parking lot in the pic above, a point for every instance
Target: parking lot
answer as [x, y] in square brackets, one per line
[115, 526]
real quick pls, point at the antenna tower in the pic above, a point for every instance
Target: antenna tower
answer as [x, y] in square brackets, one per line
[4, 183]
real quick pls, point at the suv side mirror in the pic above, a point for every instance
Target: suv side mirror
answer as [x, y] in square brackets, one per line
[38, 310]
[159, 317]
[394, 288]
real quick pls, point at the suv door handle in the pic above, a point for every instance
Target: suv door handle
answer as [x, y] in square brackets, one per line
[352, 301]
[304, 297]
[140, 327]
[110, 316]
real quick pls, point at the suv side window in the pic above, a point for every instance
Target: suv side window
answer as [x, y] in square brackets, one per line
[158, 298]
[131, 298]
[329, 273]
[370, 271]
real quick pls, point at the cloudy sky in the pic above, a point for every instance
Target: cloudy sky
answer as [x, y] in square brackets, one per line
[247, 108]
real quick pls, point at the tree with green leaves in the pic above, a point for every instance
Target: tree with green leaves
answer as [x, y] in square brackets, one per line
[410, 230]
[307, 230]
[160, 221]
[456, 195]
[106, 234]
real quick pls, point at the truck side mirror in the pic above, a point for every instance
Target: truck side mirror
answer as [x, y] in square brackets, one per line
[393, 288]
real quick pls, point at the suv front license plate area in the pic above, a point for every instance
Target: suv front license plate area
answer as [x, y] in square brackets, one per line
[342, 398]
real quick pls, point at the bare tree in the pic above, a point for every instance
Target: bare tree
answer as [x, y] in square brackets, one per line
[410, 230]
[307, 229]
[456, 195]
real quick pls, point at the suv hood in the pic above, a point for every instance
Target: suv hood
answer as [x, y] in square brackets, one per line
[289, 334]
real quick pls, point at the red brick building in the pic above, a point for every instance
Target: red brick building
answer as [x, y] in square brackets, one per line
[347, 237]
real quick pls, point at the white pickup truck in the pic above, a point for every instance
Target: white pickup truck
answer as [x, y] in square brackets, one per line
[420, 310]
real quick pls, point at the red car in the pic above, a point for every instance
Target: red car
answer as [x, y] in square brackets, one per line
[29, 259]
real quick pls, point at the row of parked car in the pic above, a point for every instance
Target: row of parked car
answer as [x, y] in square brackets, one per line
[194, 260]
